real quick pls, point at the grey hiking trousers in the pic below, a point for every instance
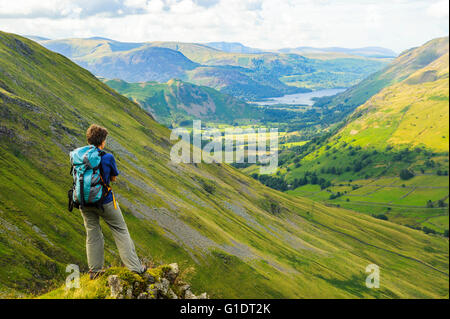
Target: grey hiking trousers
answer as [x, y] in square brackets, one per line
[94, 237]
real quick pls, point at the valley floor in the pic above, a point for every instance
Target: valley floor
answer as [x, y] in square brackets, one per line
[404, 202]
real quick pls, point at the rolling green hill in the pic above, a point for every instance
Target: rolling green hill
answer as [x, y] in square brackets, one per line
[176, 102]
[413, 112]
[244, 239]
[390, 157]
[245, 75]
[399, 69]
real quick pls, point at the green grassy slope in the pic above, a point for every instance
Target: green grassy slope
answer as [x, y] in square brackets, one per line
[244, 239]
[403, 127]
[176, 102]
[245, 75]
[400, 68]
[413, 112]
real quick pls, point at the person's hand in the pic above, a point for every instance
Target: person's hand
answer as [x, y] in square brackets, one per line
[113, 178]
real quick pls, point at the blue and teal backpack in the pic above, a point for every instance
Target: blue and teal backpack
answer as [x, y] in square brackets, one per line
[88, 189]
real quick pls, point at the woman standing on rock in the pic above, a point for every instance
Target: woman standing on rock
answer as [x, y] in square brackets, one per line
[93, 170]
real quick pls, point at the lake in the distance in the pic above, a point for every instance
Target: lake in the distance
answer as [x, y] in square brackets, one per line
[299, 98]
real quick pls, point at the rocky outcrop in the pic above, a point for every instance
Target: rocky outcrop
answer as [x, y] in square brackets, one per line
[156, 283]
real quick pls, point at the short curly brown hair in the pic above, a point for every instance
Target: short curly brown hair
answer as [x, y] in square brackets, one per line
[96, 134]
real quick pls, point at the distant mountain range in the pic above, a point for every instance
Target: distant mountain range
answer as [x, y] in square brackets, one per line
[370, 52]
[245, 75]
[402, 67]
[233, 47]
[176, 102]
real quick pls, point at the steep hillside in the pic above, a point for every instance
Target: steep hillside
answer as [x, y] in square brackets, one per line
[176, 102]
[390, 157]
[244, 239]
[413, 112]
[153, 63]
[400, 68]
[244, 75]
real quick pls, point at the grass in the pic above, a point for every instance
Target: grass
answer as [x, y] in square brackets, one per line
[384, 195]
[243, 239]
[402, 127]
[420, 197]
[99, 288]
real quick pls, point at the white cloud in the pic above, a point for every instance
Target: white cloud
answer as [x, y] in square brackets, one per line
[139, 4]
[439, 9]
[36, 8]
[268, 24]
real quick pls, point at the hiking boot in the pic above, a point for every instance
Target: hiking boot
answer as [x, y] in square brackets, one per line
[95, 274]
[143, 271]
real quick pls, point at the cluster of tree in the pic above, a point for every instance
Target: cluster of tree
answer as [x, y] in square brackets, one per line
[277, 115]
[380, 216]
[442, 173]
[339, 170]
[440, 203]
[425, 229]
[274, 182]
[332, 170]
[428, 230]
[336, 111]
[406, 174]
[241, 165]
[405, 155]
[310, 178]
[335, 195]
[430, 163]
[278, 182]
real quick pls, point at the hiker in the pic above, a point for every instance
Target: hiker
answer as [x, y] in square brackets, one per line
[93, 170]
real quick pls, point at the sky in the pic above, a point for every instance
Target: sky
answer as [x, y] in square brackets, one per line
[264, 24]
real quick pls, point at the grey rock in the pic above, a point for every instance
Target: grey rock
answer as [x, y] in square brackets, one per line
[189, 295]
[173, 272]
[129, 293]
[116, 286]
[143, 295]
[163, 286]
[171, 294]
[183, 290]
[203, 296]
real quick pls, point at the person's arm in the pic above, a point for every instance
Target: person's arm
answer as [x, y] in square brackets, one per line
[114, 170]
